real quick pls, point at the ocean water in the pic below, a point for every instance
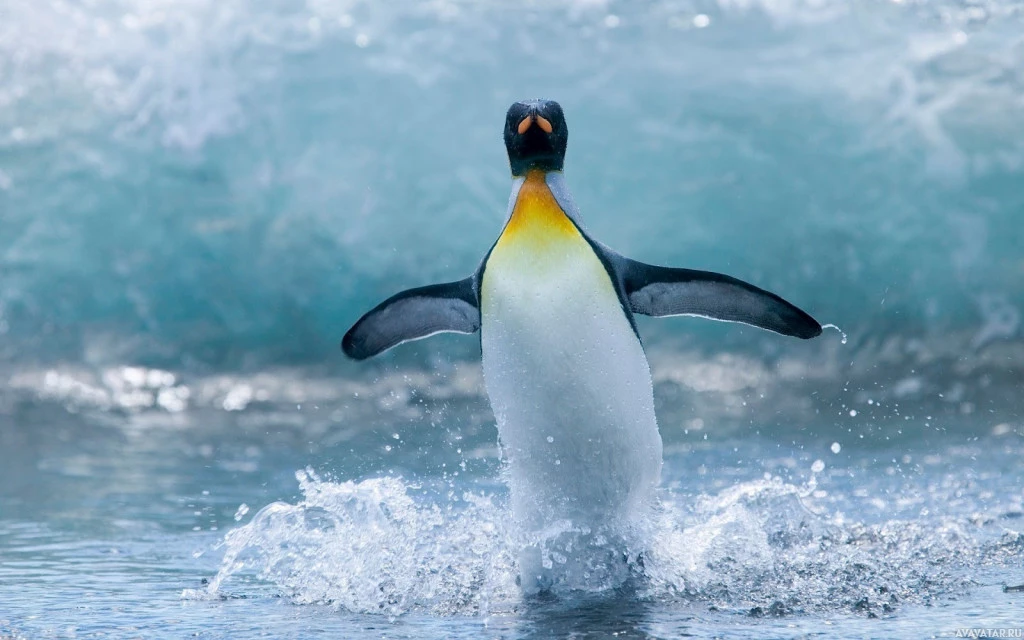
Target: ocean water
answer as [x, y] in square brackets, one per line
[197, 198]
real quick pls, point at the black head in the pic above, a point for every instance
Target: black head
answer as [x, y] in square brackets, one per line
[535, 136]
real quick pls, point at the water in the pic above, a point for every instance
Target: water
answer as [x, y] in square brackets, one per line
[197, 199]
[288, 518]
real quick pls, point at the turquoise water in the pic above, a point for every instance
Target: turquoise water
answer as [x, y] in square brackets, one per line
[114, 526]
[198, 198]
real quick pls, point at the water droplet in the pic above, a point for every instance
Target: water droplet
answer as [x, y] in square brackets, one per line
[242, 510]
[818, 466]
[551, 439]
[853, 413]
[841, 332]
[701, 20]
[836, 447]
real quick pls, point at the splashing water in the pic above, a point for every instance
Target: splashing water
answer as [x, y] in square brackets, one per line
[376, 547]
[841, 332]
[196, 198]
[368, 547]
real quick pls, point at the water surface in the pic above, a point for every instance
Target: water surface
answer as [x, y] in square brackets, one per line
[197, 199]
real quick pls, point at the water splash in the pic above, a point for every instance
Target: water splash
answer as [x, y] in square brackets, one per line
[377, 547]
[369, 547]
[841, 332]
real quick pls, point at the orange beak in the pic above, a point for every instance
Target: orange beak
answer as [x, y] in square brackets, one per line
[527, 122]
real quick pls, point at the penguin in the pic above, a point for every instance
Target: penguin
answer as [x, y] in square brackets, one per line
[563, 364]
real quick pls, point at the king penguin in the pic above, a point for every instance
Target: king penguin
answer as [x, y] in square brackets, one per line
[563, 364]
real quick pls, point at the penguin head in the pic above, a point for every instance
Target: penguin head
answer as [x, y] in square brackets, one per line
[535, 136]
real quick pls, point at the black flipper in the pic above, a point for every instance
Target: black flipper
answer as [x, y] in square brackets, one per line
[663, 291]
[414, 314]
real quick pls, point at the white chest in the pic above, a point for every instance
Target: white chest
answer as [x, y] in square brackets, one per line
[567, 378]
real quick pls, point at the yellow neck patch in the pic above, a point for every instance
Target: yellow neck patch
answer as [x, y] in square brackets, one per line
[542, 272]
[537, 220]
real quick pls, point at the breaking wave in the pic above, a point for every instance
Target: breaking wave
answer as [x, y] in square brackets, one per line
[229, 183]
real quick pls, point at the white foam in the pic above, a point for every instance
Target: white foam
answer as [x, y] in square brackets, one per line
[370, 547]
[377, 546]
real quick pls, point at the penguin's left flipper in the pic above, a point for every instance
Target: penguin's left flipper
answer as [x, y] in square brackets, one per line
[414, 314]
[663, 291]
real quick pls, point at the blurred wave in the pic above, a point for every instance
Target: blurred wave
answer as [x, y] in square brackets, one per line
[896, 391]
[221, 183]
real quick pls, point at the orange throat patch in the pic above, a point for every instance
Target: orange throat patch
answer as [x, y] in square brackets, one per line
[536, 218]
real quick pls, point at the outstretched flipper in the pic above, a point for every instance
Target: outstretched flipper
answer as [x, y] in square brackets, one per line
[663, 291]
[414, 314]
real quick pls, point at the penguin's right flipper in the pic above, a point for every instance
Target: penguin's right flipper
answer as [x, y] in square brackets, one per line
[414, 314]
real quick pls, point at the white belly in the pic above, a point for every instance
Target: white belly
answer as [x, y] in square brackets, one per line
[570, 388]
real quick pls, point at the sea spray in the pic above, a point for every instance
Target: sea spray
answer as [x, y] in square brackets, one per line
[369, 547]
[375, 547]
